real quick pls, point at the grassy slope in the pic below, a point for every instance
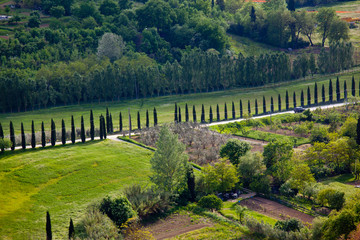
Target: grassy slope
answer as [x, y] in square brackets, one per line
[248, 47]
[165, 105]
[63, 180]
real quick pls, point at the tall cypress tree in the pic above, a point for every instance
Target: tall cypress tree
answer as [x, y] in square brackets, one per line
[358, 132]
[186, 113]
[155, 117]
[202, 114]
[287, 102]
[2, 136]
[302, 100]
[272, 104]
[264, 104]
[323, 93]
[225, 112]
[23, 137]
[33, 137]
[330, 91]
[147, 119]
[191, 183]
[179, 117]
[138, 121]
[83, 137]
[217, 112]
[249, 107]
[316, 101]
[120, 122]
[53, 133]
[43, 137]
[175, 114]
[353, 86]
[194, 114]
[308, 96]
[130, 126]
[104, 126]
[71, 230]
[210, 115]
[72, 129]
[63, 132]
[101, 128]
[241, 109]
[107, 120]
[48, 227]
[256, 107]
[92, 125]
[12, 136]
[337, 89]
[345, 90]
[111, 126]
[279, 102]
[233, 111]
[294, 99]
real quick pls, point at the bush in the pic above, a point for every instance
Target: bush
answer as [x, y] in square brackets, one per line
[261, 185]
[289, 225]
[319, 134]
[211, 202]
[331, 197]
[119, 210]
[286, 189]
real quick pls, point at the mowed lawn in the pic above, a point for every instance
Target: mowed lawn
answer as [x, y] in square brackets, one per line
[165, 105]
[64, 180]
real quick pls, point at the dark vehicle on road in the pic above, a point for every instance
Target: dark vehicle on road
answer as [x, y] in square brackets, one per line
[299, 109]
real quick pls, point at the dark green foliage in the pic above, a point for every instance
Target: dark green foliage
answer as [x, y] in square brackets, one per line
[121, 123]
[104, 126]
[241, 109]
[294, 99]
[179, 117]
[234, 149]
[12, 136]
[2, 132]
[217, 112]
[23, 137]
[289, 225]
[138, 121]
[291, 5]
[256, 107]
[53, 133]
[308, 97]
[252, 14]
[233, 111]
[210, 115]
[147, 119]
[358, 132]
[82, 130]
[92, 126]
[211, 202]
[279, 102]
[264, 105]
[72, 130]
[331, 91]
[319, 134]
[190, 176]
[194, 114]
[353, 90]
[71, 230]
[316, 100]
[287, 100]
[111, 126]
[186, 113]
[225, 112]
[302, 100]
[202, 114]
[323, 93]
[43, 137]
[119, 210]
[345, 90]
[33, 138]
[249, 107]
[63, 132]
[176, 114]
[261, 184]
[155, 117]
[48, 227]
[272, 104]
[337, 89]
[221, 4]
[101, 128]
[107, 120]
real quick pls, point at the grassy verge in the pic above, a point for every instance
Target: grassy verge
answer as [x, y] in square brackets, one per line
[63, 180]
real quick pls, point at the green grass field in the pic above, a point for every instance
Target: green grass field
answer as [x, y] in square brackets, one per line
[165, 105]
[63, 180]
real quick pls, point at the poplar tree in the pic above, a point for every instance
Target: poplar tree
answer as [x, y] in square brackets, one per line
[138, 121]
[186, 113]
[225, 112]
[179, 117]
[302, 100]
[330, 91]
[53, 133]
[43, 137]
[121, 123]
[63, 132]
[92, 125]
[353, 86]
[279, 102]
[287, 102]
[155, 117]
[345, 90]
[217, 112]
[249, 107]
[48, 227]
[294, 99]
[323, 93]
[337, 89]
[241, 109]
[256, 107]
[101, 128]
[316, 101]
[33, 136]
[72, 129]
[272, 104]
[107, 120]
[2, 137]
[147, 119]
[210, 115]
[23, 137]
[202, 114]
[194, 114]
[175, 114]
[82, 133]
[12, 136]
[71, 230]
[233, 111]
[264, 104]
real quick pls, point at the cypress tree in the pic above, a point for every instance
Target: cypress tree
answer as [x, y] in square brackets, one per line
[186, 113]
[316, 101]
[147, 119]
[359, 88]
[92, 125]
[33, 136]
[138, 121]
[104, 126]
[358, 132]
[101, 128]
[202, 114]
[337, 89]
[120, 122]
[2, 136]
[53, 133]
[294, 99]
[194, 114]
[107, 120]
[175, 114]
[43, 137]
[249, 107]
[210, 115]
[71, 230]
[83, 137]
[302, 100]
[48, 227]
[345, 90]
[179, 117]
[256, 107]
[308, 97]
[130, 126]
[111, 126]
[287, 100]
[12, 136]
[330, 91]
[272, 104]
[23, 138]
[191, 183]
[353, 86]
[279, 102]
[63, 132]
[72, 129]
[323, 93]
[264, 104]
[217, 112]
[241, 109]
[155, 117]
[233, 111]
[225, 112]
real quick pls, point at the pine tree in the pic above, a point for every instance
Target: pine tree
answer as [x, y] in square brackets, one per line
[186, 113]
[294, 99]
[107, 120]
[233, 111]
[241, 109]
[194, 114]
[175, 114]
[302, 100]
[120, 122]
[202, 114]
[82, 133]
[323, 93]
[43, 137]
[316, 101]
[287, 102]
[353, 86]
[138, 121]
[179, 116]
[330, 91]
[256, 107]
[48, 227]
[23, 137]
[249, 107]
[101, 128]
[155, 117]
[225, 112]
[63, 132]
[337, 89]
[345, 90]
[111, 126]
[53, 133]
[72, 130]
[12, 136]
[33, 137]
[71, 230]
[210, 115]
[264, 104]
[279, 102]
[217, 113]
[358, 132]
[2, 136]
[92, 126]
[272, 104]
[147, 119]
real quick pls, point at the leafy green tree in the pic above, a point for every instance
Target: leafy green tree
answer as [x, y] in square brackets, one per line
[72, 129]
[225, 112]
[57, 11]
[194, 114]
[219, 178]
[48, 227]
[234, 149]
[169, 162]
[250, 167]
[277, 151]
[63, 132]
[331, 197]
[111, 46]
[119, 210]
[339, 30]
[82, 131]
[289, 225]
[211, 202]
[312, 64]
[300, 176]
[319, 134]
[12, 136]
[155, 117]
[108, 7]
[325, 17]
[43, 137]
[340, 224]
[34, 20]
[92, 126]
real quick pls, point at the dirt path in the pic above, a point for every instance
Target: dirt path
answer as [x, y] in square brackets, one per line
[275, 210]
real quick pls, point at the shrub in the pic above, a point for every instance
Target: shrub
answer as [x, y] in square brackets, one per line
[319, 134]
[286, 189]
[261, 185]
[211, 202]
[289, 225]
[331, 197]
[119, 210]
[234, 149]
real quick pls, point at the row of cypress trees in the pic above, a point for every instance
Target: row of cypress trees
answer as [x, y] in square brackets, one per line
[49, 236]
